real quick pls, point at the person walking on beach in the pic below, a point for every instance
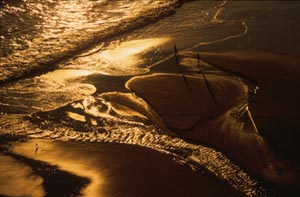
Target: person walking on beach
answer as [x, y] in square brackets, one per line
[175, 53]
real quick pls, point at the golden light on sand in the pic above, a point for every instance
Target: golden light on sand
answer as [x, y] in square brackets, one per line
[76, 116]
[16, 179]
[131, 53]
[61, 76]
[65, 160]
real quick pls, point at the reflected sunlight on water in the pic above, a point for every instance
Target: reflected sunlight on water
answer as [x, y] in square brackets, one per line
[41, 34]
[113, 126]
[77, 163]
[76, 116]
[63, 72]
[121, 58]
[17, 179]
[129, 54]
[61, 76]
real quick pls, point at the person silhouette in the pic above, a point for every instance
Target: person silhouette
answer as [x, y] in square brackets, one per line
[175, 53]
[36, 149]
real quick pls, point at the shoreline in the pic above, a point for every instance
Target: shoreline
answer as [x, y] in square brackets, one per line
[123, 170]
[179, 107]
[116, 169]
[49, 63]
[56, 182]
[212, 57]
[274, 107]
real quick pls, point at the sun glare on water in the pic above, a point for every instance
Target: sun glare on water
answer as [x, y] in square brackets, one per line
[130, 53]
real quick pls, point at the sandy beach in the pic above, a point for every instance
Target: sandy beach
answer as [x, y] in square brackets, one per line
[275, 106]
[189, 111]
[110, 169]
[182, 110]
[149, 98]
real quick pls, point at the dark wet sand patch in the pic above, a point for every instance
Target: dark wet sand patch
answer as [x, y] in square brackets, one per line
[56, 182]
[126, 170]
[275, 107]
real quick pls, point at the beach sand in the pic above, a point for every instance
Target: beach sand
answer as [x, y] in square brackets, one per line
[37, 167]
[182, 105]
[275, 107]
[186, 107]
[116, 170]
[183, 101]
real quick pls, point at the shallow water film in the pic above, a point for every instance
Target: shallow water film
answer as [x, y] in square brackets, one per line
[149, 98]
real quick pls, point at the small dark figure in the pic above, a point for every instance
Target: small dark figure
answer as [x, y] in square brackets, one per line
[175, 53]
[36, 149]
[175, 49]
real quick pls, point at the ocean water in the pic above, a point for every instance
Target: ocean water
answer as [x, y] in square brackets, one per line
[64, 65]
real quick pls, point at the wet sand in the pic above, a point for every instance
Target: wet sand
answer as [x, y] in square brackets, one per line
[183, 108]
[109, 169]
[23, 176]
[275, 107]
[116, 170]
[183, 101]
